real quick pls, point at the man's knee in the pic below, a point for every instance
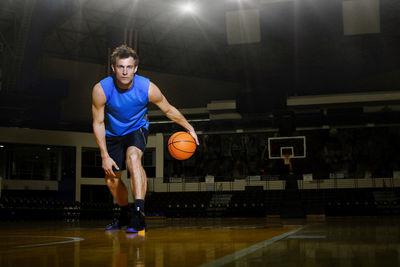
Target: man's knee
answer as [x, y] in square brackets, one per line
[113, 180]
[135, 157]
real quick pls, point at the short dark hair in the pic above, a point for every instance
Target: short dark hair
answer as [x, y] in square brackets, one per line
[124, 51]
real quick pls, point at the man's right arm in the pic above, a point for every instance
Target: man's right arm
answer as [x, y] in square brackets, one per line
[98, 104]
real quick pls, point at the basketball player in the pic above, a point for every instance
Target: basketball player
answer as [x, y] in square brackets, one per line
[120, 125]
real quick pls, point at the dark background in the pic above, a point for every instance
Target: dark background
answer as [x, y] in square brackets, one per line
[303, 50]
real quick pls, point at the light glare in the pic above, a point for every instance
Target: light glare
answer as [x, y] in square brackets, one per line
[188, 8]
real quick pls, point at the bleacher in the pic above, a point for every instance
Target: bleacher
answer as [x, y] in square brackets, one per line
[330, 202]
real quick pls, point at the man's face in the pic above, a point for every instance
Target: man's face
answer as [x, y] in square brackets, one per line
[124, 70]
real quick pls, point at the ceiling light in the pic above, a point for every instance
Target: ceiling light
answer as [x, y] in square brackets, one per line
[188, 8]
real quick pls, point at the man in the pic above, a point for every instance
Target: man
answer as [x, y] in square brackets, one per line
[120, 125]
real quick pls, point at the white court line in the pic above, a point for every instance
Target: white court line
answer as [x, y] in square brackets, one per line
[307, 236]
[69, 240]
[239, 254]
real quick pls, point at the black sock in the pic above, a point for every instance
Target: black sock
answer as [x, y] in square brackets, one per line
[139, 205]
[124, 210]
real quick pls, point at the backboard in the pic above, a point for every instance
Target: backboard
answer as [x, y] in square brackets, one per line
[295, 146]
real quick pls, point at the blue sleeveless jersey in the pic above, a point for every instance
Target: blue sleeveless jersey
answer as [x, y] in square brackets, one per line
[126, 110]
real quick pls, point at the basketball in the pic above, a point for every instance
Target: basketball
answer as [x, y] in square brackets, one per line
[181, 145]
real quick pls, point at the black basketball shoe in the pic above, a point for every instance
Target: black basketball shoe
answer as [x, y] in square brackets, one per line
[122, 220]
[137, 223]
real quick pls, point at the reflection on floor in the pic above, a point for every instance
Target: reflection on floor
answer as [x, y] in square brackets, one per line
[344, 241]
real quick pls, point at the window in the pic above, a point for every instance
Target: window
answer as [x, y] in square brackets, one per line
[36, 162]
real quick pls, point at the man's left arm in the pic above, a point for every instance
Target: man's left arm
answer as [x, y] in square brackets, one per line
[157, 98]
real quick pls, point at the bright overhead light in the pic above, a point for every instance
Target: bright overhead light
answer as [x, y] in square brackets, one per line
[188, 8]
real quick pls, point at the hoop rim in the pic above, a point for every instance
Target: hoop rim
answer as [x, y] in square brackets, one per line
[286, 158]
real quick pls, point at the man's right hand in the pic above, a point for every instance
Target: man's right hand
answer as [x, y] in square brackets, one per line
[108, 164]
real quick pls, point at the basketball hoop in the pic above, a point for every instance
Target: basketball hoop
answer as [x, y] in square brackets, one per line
[287, 148]
[286, 158]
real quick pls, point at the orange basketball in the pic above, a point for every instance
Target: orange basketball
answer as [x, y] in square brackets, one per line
[181, 145]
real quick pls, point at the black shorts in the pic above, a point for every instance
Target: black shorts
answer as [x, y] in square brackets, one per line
[118, 145]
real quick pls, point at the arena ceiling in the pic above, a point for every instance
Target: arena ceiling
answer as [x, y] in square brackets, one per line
[168, 39]
[189, 43]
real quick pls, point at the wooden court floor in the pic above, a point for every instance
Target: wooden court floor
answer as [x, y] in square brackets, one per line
[355, 241]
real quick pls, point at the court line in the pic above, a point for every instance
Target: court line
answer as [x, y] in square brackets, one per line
[70, 240]
[307, 236]
[222, 227]
[241, 253]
